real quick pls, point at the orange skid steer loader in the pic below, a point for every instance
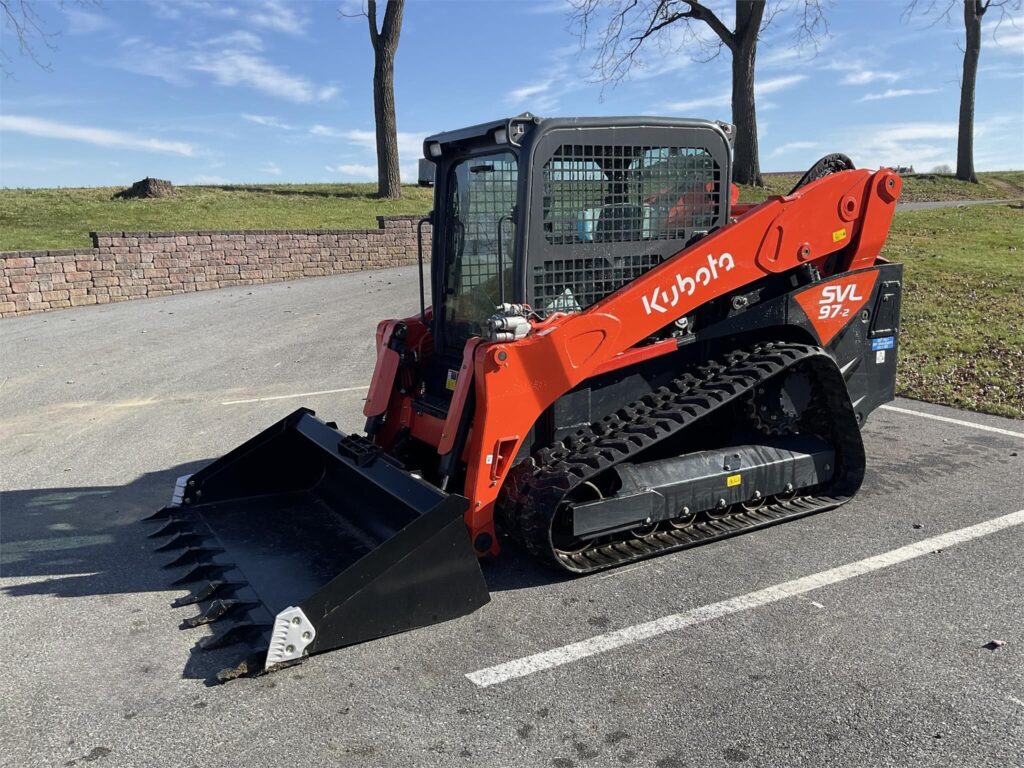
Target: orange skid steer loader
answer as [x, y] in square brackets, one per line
[617, 361]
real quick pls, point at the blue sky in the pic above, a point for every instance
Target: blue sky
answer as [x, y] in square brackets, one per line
[207, 91]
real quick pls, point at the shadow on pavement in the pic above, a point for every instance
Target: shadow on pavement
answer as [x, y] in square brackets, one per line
[515, 568]
[72, 542]
[78, 542]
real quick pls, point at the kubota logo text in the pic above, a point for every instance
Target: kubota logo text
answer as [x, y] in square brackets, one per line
[833, 297]
[663, 299]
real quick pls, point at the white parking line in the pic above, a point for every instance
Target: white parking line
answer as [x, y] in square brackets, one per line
[300, 394]
[567, 654]
[961, 422]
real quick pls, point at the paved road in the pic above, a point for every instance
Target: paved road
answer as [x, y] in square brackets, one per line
[102, 407]
[928, 205]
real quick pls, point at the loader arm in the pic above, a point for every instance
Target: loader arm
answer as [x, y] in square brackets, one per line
[848, 212]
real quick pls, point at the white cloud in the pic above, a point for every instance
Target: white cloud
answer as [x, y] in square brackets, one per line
[544, 93]
[521, 94]
[327, 132]
[365, 172]
[39, 166]
[777, 84]
[1001, 72]
[409, 143]
[1003, 34]
[409, 173]
[773, 85]
[920, 144]
[231, 60]
[203, 178]
[279, 17]
[857, 71]
[270, 167]
[541, 96]
[919, 131]
[235, 67]
[353, 170]
[238, 39]
[100, 137]
[267, 120]
[792, 146]
[695, 105]
[143, 58]
[410, 147]
[896, 93]
[779, 57]
[85, 23]
[779, 52]
[858, 76]
[1000, 146]
[176, 9]
[543, 7]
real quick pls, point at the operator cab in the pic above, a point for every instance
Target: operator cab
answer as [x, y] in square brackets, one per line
[559, 213]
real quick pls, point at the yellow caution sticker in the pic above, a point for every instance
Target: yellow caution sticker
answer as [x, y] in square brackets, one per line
[839, 234]
[732, 480]
[452, 380]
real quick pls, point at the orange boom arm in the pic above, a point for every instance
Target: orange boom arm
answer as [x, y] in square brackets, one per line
[848, 212]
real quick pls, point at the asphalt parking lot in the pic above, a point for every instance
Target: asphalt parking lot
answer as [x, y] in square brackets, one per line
[882, 663]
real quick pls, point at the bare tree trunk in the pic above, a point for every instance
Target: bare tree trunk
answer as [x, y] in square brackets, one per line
[746, 162]
[746, 167]
[389, 180]
[973, 11]
[385, 44]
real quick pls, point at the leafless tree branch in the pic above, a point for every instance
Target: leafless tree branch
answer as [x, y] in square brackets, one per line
[812, 26]
[23, 24]
[627, 26]
[22, 20]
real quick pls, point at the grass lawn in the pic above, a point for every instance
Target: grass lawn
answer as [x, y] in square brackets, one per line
[38, 219]
[962, 338]
[917, 188]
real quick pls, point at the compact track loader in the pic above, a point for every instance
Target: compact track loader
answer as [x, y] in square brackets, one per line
[617, 360]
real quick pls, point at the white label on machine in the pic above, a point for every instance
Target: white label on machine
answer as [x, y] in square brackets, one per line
[880, 356]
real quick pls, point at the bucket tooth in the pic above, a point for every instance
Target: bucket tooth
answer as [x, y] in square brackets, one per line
[194, 556]
[162, 514]
[217, 587]
[236, 633]
[204, 572]
[170, 527]
[218, 610]
[174, 525]
[181, 541]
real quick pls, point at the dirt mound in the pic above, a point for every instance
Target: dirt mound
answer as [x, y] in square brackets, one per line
[147, 188]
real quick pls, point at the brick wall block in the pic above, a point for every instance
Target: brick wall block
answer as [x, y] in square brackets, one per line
[131, 265]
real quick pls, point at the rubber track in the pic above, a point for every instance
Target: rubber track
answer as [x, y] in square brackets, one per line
[539, 486]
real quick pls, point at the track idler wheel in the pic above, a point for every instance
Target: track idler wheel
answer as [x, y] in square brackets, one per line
[755, 503]
[562, 538]
[788, 495]
[685, 520]
[720, 511]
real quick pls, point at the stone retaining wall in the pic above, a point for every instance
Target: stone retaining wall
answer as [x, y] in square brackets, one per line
[138, 265]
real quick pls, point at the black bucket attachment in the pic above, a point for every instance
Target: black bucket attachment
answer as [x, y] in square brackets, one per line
[304, 539]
